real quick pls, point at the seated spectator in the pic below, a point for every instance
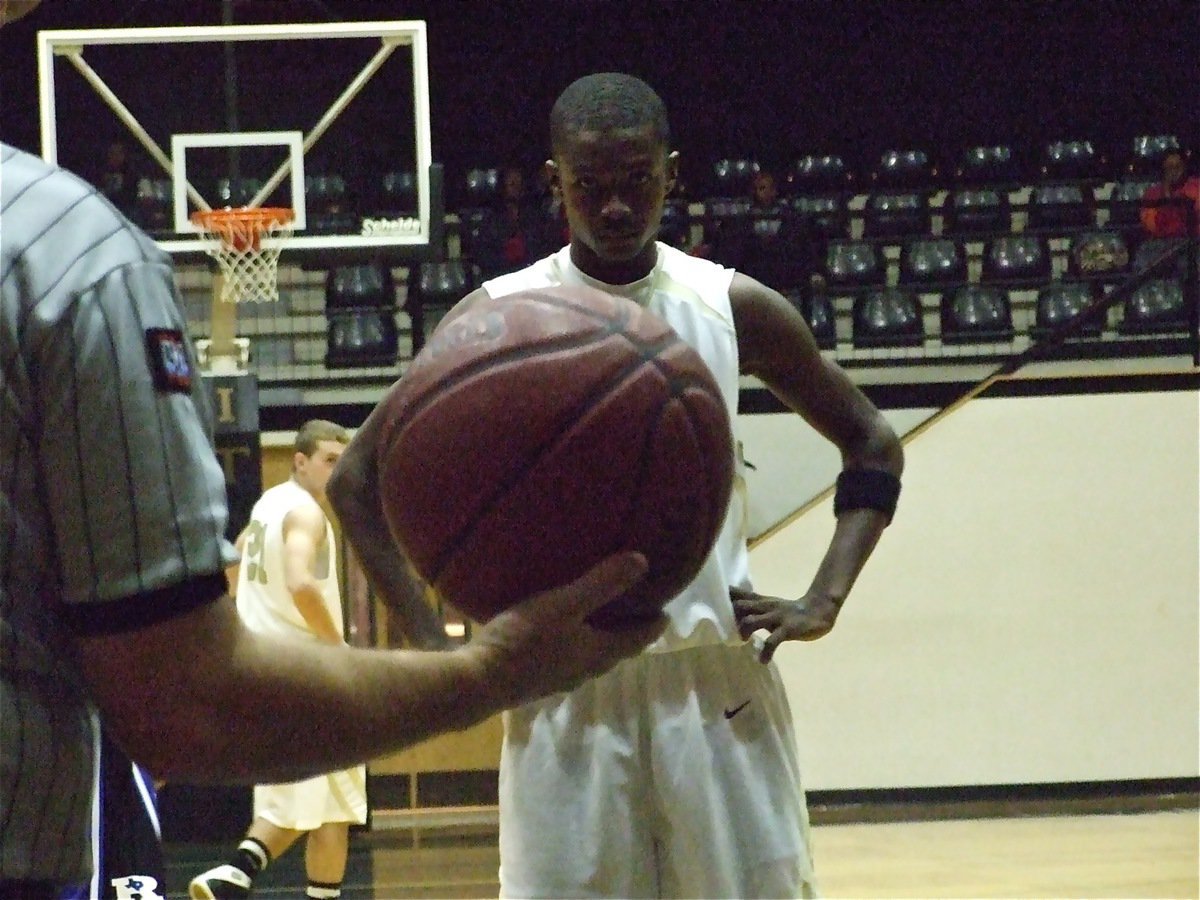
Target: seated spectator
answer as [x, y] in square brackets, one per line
[118, 181]
[1171, 221]
[766, 210]
[778, 246]
[527, 231]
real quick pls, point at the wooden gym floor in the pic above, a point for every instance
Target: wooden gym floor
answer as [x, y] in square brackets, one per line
[1150, 854]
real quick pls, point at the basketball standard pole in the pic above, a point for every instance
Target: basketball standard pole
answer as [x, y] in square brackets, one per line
[223, 351]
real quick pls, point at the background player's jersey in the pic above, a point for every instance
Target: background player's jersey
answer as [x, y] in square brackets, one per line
[692, 295]
[263, 599]
[101, 406]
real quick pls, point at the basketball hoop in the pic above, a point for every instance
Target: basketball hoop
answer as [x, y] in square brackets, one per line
[250, 264]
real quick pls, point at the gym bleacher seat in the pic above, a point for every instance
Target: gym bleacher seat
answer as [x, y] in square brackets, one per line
[977, 211]
[854, 264]
[899, 169]
[1017, 260]
[360, 308]
[976, 313]
[433, 288]
[932, 262]
[888, 317]
[826, 214]
[1063, 302]
[1157, 306]
[1147, 152]
[396, 194]
[328, 203]
[1066, 161]
[1060, 207]
[1099, 255]
[818, 175]
[988, 166]
[894, 214]
[1125, 203]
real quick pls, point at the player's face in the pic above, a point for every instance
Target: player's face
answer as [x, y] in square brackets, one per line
[312, 472]
[613, 185]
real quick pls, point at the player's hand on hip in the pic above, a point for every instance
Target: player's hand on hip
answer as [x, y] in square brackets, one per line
[806, 619]
[543, 645]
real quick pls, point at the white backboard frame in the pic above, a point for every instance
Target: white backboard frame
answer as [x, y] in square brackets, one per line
[71, 43]
[293, 140]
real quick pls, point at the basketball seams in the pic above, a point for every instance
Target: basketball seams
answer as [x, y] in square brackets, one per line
[534, 458]
[616, 324]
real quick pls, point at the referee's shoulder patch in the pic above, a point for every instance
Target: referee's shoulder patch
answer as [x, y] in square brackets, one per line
[170, 364]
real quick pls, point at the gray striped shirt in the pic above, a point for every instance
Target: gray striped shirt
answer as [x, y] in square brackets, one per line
[112, 503]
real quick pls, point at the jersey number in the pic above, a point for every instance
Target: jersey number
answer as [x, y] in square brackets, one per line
[252, 557]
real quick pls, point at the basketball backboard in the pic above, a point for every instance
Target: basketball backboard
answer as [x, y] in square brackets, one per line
[331, 120]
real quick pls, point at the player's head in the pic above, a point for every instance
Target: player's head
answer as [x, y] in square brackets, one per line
[613, 167]
[319, 444]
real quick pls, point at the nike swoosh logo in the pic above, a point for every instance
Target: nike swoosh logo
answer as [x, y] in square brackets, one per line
[730, 713]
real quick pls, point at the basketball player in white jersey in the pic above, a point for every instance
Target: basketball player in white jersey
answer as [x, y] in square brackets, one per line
[113, 602]
[676, 774]
[287, 585]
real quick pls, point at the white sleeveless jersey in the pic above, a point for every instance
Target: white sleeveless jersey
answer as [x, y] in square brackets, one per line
[263, 600]
[692, 295]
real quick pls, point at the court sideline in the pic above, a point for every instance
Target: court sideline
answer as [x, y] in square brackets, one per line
[1146, 854]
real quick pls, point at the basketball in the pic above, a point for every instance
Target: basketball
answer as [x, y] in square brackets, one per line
[538, 433]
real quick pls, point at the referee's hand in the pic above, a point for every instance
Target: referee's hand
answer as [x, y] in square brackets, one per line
[543, 645]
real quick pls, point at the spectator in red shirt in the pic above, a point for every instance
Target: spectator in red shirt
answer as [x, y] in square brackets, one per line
[1170, 221]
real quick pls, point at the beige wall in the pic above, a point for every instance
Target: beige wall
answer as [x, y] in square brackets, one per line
[1031, 615]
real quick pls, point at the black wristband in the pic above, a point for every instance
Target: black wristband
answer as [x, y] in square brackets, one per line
[866, 489]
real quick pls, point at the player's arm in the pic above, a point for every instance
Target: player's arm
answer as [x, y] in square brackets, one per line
[353, 492]
[199, 697]
[303, 535]
[776, 346]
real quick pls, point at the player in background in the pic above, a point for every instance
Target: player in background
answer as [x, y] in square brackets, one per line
[287, 585]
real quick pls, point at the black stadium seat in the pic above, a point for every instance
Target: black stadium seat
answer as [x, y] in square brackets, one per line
[1071, 161]
[976, 313]
[734, 176]
[854, 264]
[976, 210]
[433, 288]
[932, 261]
[1147, 152]
[898, 169]
[1125, 202]
[1157, 306]
[1017, 258]
[1060, 207]
[814, 174]
[888, 317]
[360, 308]
[1101, 254]
[826, 214]
[992, 166]
[1060, 303]
[893, 214]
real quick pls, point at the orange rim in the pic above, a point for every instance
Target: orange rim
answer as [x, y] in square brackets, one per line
[255, 218]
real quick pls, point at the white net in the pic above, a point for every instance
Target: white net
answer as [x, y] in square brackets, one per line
[244, 249]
